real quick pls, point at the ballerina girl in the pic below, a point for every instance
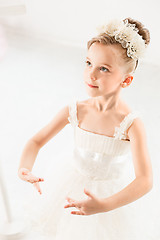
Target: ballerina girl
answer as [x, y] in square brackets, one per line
[105, 131]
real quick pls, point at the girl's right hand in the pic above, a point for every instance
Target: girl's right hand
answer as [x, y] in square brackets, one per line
[26, 175]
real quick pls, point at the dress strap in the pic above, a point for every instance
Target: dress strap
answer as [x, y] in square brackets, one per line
[120, 132]
[73, 113]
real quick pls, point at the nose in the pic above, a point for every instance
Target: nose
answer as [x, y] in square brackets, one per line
[92, 75]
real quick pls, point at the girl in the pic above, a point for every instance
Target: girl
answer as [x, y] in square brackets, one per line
[107, 197]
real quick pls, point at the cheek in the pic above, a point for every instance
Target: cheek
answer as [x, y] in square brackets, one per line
[106, 85]
[106, 80]
[85, 74]
[109, 83]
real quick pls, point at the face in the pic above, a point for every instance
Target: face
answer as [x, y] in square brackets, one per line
[104, 69]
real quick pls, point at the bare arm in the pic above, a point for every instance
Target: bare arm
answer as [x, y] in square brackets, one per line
[34, 144]
[143, 170]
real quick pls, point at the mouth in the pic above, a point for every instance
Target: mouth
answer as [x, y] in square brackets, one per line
[92, 86]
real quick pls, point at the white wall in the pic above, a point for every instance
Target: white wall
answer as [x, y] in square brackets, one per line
[74, 22]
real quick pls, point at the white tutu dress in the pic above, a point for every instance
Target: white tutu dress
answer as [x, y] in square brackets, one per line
[104, 166]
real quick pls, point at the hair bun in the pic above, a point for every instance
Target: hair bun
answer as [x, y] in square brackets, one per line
[144, 32]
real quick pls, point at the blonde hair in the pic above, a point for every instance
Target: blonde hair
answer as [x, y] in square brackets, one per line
[105, 39]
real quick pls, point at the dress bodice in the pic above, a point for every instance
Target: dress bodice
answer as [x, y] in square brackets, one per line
[95, 154]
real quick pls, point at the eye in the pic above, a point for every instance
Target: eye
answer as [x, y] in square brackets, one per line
[105, 69]
[87, 62]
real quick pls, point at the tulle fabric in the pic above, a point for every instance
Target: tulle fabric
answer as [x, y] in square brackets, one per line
[104, 166]
[46, 213]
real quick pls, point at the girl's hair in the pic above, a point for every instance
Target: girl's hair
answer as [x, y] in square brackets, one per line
[105, 39]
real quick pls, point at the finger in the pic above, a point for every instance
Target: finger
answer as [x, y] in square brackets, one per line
[37, 179]
[36, 185]
[40, 192]
[32, 179]
[70, 199]
[70, 205]
[77, 213]
[41, 179]
[89, 194]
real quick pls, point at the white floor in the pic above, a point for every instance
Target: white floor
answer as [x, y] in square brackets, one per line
[37, 78]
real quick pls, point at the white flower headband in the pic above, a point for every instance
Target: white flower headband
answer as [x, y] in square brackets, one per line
[126, 34]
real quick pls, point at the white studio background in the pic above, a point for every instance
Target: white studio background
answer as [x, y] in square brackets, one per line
[42, 71]
[73, 22]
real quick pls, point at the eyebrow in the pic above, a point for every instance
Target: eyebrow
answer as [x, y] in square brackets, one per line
[103, 63]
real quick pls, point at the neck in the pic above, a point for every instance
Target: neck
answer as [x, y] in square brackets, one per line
[107, 102]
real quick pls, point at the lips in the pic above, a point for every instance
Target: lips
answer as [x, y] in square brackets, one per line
[92, 86]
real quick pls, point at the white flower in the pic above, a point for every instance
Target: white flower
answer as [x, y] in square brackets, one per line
[111, 27]
[114, 26]
[126, 34]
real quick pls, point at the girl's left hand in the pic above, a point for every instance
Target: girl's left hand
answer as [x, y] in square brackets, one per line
[90, 206]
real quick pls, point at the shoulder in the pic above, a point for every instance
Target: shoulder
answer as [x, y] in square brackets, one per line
[137, 131]
[76, 107]
[124, 108]
[140, 151]
[86, 102]
[83, 105]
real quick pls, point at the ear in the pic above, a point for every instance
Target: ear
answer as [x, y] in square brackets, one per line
[127, 81]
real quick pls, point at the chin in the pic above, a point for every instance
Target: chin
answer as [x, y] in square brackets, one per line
[92, 94]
